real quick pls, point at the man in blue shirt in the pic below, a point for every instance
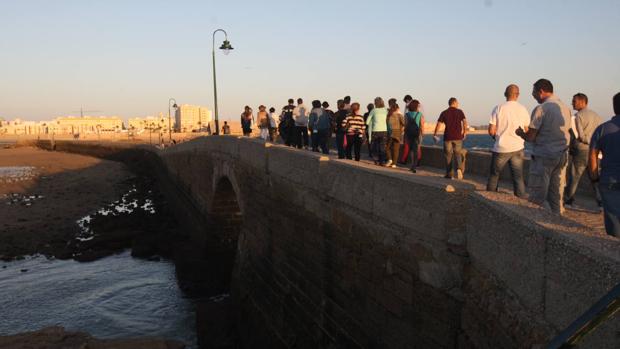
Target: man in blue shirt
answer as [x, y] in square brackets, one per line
[606, 140]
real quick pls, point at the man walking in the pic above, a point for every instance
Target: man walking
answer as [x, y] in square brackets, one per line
[549, 132]
[456, 130]
[606, 140]
[300, 114]
[586, 121]
[287, 124]
[508, 148]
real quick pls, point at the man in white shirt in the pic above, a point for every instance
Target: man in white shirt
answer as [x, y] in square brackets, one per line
[508, 148]
[300, 115]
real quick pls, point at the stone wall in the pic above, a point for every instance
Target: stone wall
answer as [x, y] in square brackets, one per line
[328, 253]
[336, 253]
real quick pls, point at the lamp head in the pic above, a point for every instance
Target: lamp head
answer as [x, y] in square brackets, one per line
[226, 47]
[175, 106]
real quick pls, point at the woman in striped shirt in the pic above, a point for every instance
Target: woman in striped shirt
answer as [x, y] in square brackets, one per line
[354, 126]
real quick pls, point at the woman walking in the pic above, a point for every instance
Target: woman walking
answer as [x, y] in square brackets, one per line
[354, 127]
[377, 130]
[369, 107]
[273, 124]
[262, 118]
[246, 121]
[340, 115]
[396, 125]
[414, 131]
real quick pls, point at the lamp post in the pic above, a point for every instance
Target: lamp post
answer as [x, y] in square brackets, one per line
[169, 123]
[226, 47]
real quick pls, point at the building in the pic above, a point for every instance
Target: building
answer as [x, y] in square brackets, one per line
[148, 123]
[87, 124]
[21, 127]
[190, 118]
[64, 125]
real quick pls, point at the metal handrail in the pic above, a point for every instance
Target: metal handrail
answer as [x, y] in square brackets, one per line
[600, 312]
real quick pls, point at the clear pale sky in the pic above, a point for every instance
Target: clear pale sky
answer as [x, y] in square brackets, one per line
[128, 57]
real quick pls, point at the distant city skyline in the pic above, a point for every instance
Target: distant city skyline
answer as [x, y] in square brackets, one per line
[129, 58]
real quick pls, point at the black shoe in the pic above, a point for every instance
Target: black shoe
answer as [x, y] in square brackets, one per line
[413, 170]
[447, 176]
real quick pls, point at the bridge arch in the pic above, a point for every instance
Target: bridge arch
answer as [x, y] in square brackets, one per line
[227, 219]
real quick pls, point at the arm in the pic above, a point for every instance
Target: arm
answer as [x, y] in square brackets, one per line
[492, 130]
[369, 120]
[465, 128]
[421, 125]
[529, 134]
[437, 127]
[579, 127]
[593, 164]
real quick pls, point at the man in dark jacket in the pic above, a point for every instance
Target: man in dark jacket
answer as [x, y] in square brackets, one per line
[287, 123]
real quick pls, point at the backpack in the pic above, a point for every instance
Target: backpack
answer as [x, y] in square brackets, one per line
[412, 126]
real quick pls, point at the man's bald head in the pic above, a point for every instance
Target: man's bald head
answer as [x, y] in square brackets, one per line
[512, 92]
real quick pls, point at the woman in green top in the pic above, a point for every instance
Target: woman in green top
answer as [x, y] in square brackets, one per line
[377, 130]
[414, 131]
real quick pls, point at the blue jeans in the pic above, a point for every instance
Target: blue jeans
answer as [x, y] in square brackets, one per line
[379, 140]
[515, 161]
[323, 136]
[340, 145]
[611, 207]
[547, 181]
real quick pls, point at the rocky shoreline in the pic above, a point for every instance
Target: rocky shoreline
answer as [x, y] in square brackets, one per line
[58, 338]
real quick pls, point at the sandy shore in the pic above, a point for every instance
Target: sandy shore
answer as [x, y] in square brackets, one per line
[43, 194]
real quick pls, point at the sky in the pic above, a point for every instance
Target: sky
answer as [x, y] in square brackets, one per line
[129, 57]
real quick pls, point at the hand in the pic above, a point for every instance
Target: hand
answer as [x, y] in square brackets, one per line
[436, 139]
[520, 132]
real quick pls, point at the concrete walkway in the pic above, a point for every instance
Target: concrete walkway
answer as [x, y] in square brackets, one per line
[584, 219]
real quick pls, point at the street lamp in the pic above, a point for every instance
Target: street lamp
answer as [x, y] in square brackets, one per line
[169, 123]
[226, 47]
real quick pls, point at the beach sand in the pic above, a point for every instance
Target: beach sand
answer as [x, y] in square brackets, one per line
[43, 194]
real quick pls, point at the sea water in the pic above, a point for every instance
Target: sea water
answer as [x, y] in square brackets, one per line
[113, 297]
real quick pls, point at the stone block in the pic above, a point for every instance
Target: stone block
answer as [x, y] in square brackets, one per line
[514, 252]
[577, 277]
[253, 152]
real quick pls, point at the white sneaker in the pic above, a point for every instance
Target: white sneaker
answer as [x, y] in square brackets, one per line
[459, 174]
[393, 166]
[389, 163]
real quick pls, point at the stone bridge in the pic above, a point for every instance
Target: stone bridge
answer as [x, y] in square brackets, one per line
[328, 253]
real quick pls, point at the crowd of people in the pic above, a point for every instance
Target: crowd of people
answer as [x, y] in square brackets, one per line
[555, 134]
[382, 127]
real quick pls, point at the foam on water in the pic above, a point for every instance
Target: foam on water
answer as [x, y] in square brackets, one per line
[123, 206]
